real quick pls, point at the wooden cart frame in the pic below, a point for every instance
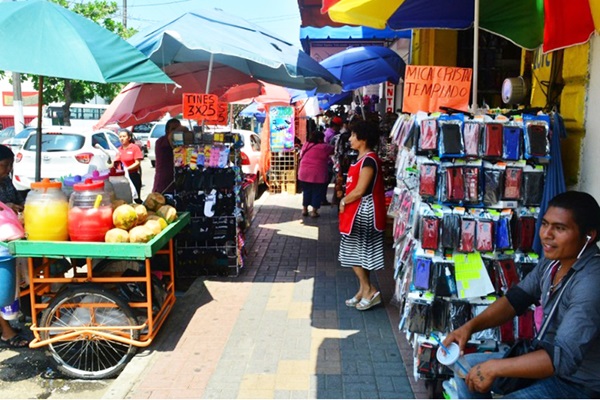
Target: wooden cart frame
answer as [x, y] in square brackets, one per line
[88, 297]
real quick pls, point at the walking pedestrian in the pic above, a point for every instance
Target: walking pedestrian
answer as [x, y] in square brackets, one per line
[130, 156]
[363, 216]
[313, 172]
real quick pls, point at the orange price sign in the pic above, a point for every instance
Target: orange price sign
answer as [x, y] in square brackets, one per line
[199, 106]
[222, 117]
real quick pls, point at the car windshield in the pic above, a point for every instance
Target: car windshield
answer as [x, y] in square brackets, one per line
[56, 142]
[24, 133]
[158, 131]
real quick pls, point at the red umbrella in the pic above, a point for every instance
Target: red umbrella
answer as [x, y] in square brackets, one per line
[144, 102]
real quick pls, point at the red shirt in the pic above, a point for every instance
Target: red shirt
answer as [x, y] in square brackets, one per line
[129, 155]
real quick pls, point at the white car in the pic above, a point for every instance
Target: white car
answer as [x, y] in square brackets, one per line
[250, 153]
[16, 142]
[65, 151]
[157, 131]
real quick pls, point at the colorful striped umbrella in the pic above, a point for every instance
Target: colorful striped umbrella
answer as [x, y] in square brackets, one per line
[527, 23]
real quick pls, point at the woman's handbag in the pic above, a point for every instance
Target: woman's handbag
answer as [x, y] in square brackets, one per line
[506, 385]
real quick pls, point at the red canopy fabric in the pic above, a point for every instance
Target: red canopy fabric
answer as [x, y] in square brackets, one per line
[567, 23]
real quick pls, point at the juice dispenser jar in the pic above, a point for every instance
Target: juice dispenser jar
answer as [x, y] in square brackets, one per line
[90, 212]
[45, 212]
[103, 176]
[121, 184]
[67, 184]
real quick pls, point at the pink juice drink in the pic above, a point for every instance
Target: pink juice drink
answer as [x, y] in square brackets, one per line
[89, 224]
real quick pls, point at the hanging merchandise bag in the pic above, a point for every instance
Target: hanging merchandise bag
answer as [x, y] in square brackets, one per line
[428, 181]
[10, 226]
[430, 231]
[492, 141]
[451, 140]
[471, 138]
[428, 137]
[484, 235]
[512, 183]
[493, 179]
[472, 185]
[511, 137]
[537, 144]
[533, 186]
[467, 235]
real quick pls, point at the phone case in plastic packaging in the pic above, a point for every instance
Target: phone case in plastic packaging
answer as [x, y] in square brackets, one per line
[533, 187]
[525, 233]
[450, 231]
[428, 180]
[425, 360]
[451, 141]
[503, 237]
[455, 185]
[418, 317]
[428, 137]
[467, 235]
[441, 288]
[486, 334]
[537, 143]
[472, 185]
[472, 138]
[493, 180]
[460, 312]
[422, 273]
[430, 232]
[511, 137]
[484, 235]
[439, 316]
[507, 271]
[492, 141]
[512, 183]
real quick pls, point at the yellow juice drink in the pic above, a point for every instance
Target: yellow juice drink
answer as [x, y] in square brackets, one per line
[46, 220]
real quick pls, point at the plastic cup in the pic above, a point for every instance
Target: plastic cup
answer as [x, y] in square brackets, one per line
[453, 359]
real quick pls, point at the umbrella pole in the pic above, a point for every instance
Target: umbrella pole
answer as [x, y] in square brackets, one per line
[209, 76]
[475, 54]
[38, 137]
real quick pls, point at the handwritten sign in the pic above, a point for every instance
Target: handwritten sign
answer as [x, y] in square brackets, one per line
[199, 106]
[390, 96]
[222, 117]
[426, 88]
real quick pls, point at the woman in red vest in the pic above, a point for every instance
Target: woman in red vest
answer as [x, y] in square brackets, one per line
[362, 216]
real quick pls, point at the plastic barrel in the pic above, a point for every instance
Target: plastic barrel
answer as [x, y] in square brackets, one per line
[8, 277]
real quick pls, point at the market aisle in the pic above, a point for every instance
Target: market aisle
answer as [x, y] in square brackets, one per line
[280, 329]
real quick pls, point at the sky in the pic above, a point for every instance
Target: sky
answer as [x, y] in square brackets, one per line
[279, 16]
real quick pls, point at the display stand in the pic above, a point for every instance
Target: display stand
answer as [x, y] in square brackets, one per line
[283, 172]
[464, 208]
[92, 329]
[208, 185]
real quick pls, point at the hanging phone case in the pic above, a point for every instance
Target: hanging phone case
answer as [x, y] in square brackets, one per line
[525, 233]
[428, 180]
[428, 139]
[455, 184]
[525, 324]
[512, 183]
[422, 273]
[441, 283]
[451, 143]
[451, 231]
[467, 235]
[503, 234]
[471, 184]
[492, 141]
[484, 236]
[511, 137]
[430, 232]
[537, 140]
[493, 180]
[472, 137]
[507, 272]
[533, 188]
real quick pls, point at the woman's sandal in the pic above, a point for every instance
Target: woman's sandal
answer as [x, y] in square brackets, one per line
[352, 302]
[15, 342]
[314, 214]
[305, 213]
[365, 304]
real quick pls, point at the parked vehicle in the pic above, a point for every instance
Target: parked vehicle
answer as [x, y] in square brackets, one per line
[83, 116]
[65, 151]
[142, 133]
[7, 133]
[250, 153]
[16, 142]
[157, 131]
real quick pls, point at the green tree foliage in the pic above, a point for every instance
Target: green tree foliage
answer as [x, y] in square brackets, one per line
[70, 91]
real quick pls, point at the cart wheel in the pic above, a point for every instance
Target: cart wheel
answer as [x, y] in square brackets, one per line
[90, 356]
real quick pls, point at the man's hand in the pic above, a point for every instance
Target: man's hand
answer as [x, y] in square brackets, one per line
[481, 377]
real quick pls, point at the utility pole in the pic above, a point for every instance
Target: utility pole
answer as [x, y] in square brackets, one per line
[125, 13]
[17, 103]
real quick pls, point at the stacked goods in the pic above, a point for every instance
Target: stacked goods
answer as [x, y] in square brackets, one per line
[140, 223]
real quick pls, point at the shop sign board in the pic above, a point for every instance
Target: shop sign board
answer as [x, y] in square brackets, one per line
[204, 107]
[390, 96]
[281, 128]
[427, 88]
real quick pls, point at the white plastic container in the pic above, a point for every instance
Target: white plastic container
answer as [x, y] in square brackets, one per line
[454, 360]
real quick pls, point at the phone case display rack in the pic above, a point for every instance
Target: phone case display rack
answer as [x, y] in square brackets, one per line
[208, 185]
[82, 305]
[283, 172]
[465, 209]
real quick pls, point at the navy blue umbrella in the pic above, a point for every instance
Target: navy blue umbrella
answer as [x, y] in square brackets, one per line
[555, 179]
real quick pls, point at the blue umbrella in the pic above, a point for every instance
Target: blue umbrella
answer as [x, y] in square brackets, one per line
[555, 179]
[366, 65]
[213, 36]
[252, 111]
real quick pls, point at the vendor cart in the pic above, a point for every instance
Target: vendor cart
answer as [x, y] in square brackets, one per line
[85, 309]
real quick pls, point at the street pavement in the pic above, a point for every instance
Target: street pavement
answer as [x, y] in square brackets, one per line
[280, 329]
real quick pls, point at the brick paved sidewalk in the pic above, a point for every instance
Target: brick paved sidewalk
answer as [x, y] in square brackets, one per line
[280, 329]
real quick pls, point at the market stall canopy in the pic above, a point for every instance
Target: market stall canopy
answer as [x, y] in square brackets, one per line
[259, 92]
[527, 23]
[43, 38]
[145, 102]
[46, 39]
[230, 40]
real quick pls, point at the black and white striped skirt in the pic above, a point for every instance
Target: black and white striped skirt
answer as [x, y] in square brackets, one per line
[363, 247]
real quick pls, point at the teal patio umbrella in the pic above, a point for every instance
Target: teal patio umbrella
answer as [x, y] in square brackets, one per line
[45, 39]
